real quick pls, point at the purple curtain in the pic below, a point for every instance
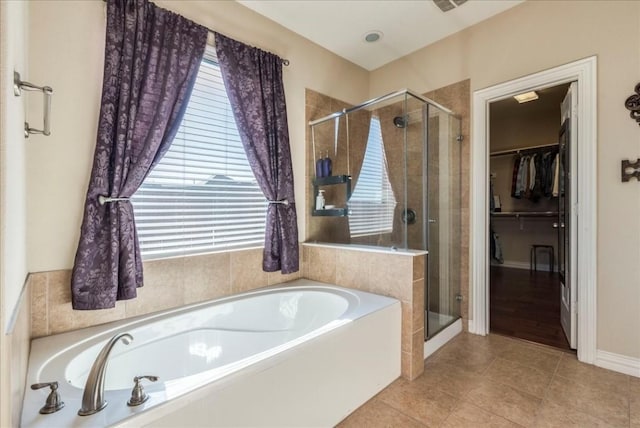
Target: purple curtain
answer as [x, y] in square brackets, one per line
[150, 65]
[253, 79]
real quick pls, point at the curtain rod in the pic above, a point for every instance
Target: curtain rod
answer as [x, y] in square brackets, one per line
[284, 61]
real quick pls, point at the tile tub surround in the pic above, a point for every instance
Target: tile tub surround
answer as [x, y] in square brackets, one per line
[495, 381]
[15, 344]
[169, 283]
[394, 274]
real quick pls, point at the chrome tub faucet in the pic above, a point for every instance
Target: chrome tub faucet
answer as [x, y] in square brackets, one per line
[93, 397]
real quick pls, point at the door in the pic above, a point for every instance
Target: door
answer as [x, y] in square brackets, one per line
[566, 220]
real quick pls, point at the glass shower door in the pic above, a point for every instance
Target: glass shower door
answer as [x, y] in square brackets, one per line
[442, 226]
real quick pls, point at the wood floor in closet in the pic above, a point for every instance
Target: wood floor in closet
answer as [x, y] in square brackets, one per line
[526, 305]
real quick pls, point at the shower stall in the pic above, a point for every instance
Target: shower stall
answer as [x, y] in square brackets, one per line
[389, 171]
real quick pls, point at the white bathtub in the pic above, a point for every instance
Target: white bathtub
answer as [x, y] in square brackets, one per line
[303, 354]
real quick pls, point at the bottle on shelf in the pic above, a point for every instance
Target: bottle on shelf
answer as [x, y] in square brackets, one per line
[320, 200]
[327, 167]
[319, 167]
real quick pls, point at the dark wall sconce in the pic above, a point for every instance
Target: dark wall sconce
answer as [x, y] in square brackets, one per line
[633, 104]
[630, 169]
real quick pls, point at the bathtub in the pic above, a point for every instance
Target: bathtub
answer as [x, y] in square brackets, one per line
[301, 354]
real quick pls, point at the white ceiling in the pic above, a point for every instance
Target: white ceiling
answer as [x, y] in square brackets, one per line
[407, 25]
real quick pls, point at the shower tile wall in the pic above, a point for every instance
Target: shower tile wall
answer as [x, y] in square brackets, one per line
[353, 145]
[16, 344]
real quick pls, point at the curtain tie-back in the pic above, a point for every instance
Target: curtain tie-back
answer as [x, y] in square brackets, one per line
[107, 200]
[284, 202]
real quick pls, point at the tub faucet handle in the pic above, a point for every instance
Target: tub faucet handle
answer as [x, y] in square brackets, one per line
[54, 402]
[138, 396]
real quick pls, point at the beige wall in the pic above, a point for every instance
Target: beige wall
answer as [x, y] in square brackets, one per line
[14, 316]
[13, 267]
[535, 36]
[66, 52]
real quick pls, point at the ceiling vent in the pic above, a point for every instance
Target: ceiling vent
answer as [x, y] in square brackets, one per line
[447, 5]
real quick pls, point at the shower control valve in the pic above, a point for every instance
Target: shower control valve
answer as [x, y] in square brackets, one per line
[138, 396]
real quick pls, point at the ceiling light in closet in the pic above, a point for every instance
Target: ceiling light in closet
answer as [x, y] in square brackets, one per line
[526, 97]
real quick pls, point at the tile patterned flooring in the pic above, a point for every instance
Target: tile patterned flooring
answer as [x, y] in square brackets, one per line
[495, 381]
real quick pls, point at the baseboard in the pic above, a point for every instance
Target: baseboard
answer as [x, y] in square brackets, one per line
[542, 267]
[618, 363]
[442, 338]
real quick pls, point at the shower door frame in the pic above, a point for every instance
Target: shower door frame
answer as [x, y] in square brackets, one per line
[584, 72]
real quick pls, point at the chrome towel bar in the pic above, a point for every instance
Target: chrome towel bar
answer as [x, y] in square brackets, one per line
[18, 87]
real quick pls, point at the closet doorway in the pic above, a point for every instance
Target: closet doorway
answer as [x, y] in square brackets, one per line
[530, 183]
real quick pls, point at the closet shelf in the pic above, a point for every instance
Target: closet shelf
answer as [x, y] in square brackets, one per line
[518, 214]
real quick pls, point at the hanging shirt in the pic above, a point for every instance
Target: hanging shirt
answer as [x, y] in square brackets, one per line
[556, 175]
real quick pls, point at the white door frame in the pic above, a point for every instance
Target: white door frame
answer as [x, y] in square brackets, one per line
[584, 72]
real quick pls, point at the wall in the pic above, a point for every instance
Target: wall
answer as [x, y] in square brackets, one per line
[66, 52]
[536, 36]
[14, 315]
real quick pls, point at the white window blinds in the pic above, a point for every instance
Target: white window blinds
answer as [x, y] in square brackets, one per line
[202, 196]
[372, 202]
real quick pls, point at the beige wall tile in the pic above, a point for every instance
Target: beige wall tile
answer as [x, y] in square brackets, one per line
[19, 353]
[321, 264]
[39, 304]
[246, 270]
[417, 354]
[163, 287]
[406, 326]
[405, 365]
[391, 275]
[83, 319]
[419, 263]
[59, 292]
[352, 269]
[275, 278]
[207, 277]
[417, 303]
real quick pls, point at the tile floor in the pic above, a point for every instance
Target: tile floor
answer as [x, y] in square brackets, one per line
[495, 381]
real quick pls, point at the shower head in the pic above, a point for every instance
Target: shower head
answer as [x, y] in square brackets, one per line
[400, 121]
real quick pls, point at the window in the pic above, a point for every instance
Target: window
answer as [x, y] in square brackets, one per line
[372, 202]
[202, 196]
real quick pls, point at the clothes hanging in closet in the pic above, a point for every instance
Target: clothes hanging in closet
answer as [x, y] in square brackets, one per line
[535, 175]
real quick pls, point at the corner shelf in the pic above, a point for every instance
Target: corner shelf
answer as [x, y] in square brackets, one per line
[331, 181]
[331, 212]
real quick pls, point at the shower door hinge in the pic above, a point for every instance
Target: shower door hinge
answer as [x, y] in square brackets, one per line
[459, 297]
[459, 138]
